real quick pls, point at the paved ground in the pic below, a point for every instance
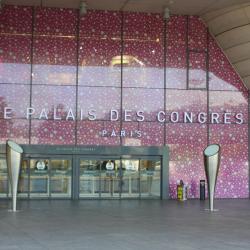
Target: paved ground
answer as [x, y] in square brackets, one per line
[123, 225]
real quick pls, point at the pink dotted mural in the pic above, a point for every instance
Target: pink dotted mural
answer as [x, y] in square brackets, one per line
[71, 73]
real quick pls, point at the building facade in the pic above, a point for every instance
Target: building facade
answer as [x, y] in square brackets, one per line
[116, 80]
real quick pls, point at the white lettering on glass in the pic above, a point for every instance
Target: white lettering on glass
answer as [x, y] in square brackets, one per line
[114, 115]
[29, 112]
[7, 113]
[239, 118]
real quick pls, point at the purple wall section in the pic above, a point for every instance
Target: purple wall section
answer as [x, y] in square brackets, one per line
[50, 63]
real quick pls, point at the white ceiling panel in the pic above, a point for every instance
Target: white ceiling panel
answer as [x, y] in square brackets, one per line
[238, 53]
[228, 21]
[234, 37]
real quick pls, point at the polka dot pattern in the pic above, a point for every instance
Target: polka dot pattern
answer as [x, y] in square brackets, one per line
[89, 133]
[52, 132]
[61, 98]
[106, 99]
[14, 96]
[54, 79]
[15, 57]
[15, 129]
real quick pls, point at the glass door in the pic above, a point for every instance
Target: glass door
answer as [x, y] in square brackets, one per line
[99, 177]
[130, 178]
[125, 177]
[150, 177]
[89, 174]
[110, 178]
[60, 178]
[39, 177]
[3, 178]
[50, 177]
[23, 182]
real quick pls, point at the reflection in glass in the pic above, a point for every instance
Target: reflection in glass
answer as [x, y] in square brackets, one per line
[39, 178]
[89, 178]
[110, 178]
[150, 181]
[23, 183]
[3, 178]
[60, 181]
[130, 178]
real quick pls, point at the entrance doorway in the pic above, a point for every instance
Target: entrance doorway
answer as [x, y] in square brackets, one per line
[53, 172]
[125, 177]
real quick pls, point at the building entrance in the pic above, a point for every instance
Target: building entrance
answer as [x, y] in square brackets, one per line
[127, 177]
[90, 173]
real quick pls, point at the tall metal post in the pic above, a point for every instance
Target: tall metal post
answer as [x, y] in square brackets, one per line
[212, 163]
[14, 156]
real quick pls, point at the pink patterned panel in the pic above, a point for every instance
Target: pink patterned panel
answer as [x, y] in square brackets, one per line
[17, 20]
[233, 174]
[90, 133]
[98, 65]
[186, 143]
[232, 102]
[52, 132]
[130, 139]
[61, 98]
[143, 56]
[150, 101]
[197, 70]
[152, 133]
[101, 24]
[181, 101]
[14, 129]
[15, 96]
[197, 33]
[100, 49]
[102, 100]
[176, 56]
[54, 61]
[55, 22]
[15, 59]
[222, 75]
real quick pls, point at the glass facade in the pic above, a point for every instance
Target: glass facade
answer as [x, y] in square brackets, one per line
[119, 78]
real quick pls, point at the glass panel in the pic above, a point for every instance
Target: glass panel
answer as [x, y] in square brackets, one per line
[10, 19]
[3, 178]
[197, 70]
[15, 44]
[233, 177]
[39, 178]
[130, 184]
[59, 101]
[186, 144]
[55, 48]
[150, 178]
[197, 33]
[143, 57]
[89, 184]
[230, 102]
[176, 56]
[98, 133]
[54, 61]
[15, 129]
[15, 57]
[60, 178]
[100, 100]
[52, 132]
[17, 102]
[100, 49]
[23, 183]
[110, 178]
[148, 101]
